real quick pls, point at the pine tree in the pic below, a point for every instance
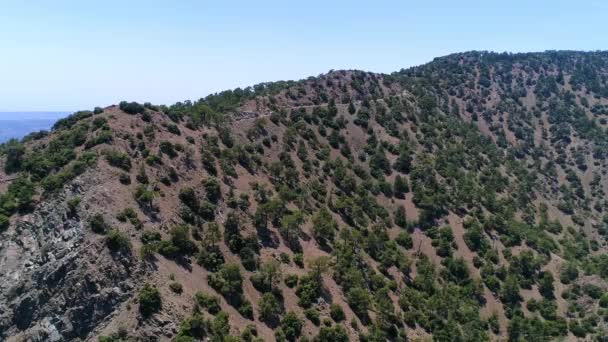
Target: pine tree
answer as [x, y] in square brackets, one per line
[400, 187]
[400, 218]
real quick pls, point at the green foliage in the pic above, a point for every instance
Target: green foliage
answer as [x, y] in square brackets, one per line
[18, 196]
[269, 308]
[265, 279]
[545, 285]
[117, 241]
[323, 226]
[4, 222]
[245, 308]
[313, 315]
[211, 258]
[232, 233]
[118, 159]
[569, 273]
[144, 197]
[167, 148]
[71, 120]
[150, 300]
[228, 280]
[176, 287]
[475, 239]
[400, 187]
[291, 326]
[291, 280]
[180, 238]
[14, 151]
[379, 164]
[131, 107]
[404, 239]
[97, 224]
[359, 301]
[427, 133]
[129, 214]
[56, 181]
[310, 285]
[335, 333]
[290, 229]
[208, 302]
[336, 313]
[604, 300]
[213, 191]
[510, 292]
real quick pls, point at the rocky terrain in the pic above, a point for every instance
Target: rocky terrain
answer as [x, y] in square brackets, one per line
[460, 200]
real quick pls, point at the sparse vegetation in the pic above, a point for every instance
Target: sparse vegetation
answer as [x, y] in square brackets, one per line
[417, 196]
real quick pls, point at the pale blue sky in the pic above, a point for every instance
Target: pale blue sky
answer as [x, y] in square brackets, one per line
[70, 55]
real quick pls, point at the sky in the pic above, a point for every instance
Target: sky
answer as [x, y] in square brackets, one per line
[73, 55]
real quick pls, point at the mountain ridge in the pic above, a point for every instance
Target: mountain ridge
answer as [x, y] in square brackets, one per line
[459, 199]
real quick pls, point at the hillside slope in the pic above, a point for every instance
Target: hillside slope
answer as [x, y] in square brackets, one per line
[460, 200]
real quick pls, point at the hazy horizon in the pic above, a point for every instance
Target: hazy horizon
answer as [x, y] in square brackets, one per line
[17, 124]
[11, 115]
[74, 55]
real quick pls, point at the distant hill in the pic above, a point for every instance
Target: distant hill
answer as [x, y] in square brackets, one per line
[460, 200]
[19, 124]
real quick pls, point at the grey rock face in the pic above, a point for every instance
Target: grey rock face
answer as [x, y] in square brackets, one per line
[59, 281]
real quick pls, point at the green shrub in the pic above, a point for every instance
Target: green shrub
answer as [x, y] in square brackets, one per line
[4, 222]
[264, 280]
[245, 309]
[124, 178]
[336, 313]
[604, 300]
[14, 151]
[211, 258]
[115, 240]
[144, 197]
[73, 203]
[250, 333]
[167, 249]
[103, 137]
[18, 197]
[208, 302]
[176, 287]
[308, 291]
[149, 236]
[249, 258]
[405, 240]
[228, 280]
[131, 107]
[71, 120]
[118, 159]
[359, 301]
[337, 333]
[269, 308]
[180, 238]
[97, 224]
[291, 326]
[324, 226]
[569, 273]
[150, 300]
[298, 259]
[173, 129]
[212, 189]
[130, 215]
[189, 197]
[313, 315]
[167, 148]
[291, 280]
